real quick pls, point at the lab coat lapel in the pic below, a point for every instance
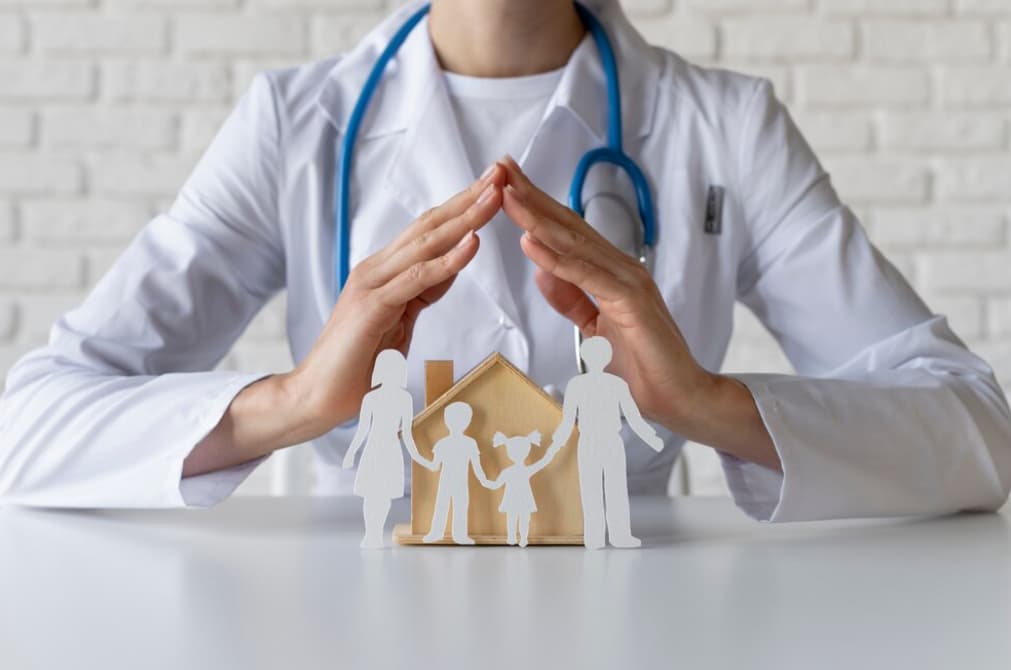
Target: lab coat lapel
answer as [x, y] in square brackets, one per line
[432, 165]
[576, 119]
[582, 90]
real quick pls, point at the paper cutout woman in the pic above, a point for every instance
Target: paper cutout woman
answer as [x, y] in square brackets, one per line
[457, 453]
[518, 501]
[387, 410]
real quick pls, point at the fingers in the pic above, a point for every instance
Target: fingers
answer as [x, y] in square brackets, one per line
[582, 242]
[418, 304]
[580, 272]
[538, 199]
[554, 212]
[425, 275]
[435, 242]
[569, 301]
[454, 207]
[562, 238]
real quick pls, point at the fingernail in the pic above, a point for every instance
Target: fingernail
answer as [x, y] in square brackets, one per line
[465, 239]
[513, 192]
[486, 194]
[488, 172]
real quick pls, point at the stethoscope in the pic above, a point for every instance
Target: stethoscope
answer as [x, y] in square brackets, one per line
[611, 153]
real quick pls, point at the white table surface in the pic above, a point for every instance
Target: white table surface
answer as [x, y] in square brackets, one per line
[281, 583]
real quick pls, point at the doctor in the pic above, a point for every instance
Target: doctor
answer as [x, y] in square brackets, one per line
[889, 413]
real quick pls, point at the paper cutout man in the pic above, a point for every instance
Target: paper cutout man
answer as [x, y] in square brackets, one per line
[518, 501]
[387, 410]
[596, 401]
[456, 454]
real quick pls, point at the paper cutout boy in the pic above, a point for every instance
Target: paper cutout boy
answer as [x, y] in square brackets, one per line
[456, 454]
[518, 501]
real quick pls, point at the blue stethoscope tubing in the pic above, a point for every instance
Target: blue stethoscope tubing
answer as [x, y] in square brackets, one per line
[612, 153]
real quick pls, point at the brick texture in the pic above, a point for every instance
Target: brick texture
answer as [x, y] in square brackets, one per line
[106, 103]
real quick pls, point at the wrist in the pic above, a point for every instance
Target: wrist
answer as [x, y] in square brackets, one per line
[722, 414]
[309, 414]
[688, 412]
[713, 404]
[261, 418]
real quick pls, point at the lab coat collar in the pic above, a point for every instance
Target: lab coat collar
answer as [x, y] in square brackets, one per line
[391, 109]
[409, 77]
[583, 88]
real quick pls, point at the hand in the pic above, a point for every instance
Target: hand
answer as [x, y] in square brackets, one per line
[382, 299]
[575, 262]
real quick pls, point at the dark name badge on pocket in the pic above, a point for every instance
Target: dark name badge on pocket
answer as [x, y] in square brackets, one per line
[714, 211]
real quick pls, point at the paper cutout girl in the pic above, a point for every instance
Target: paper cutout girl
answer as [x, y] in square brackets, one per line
[518, 501]
[457, 453]
[387, 410]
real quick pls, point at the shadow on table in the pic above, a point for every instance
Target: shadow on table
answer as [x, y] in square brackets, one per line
[237, 516]
[723, 524]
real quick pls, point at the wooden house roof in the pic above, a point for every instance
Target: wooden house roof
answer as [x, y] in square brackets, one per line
[475, 373]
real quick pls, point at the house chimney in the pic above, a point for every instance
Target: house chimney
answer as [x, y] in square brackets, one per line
[438, 379]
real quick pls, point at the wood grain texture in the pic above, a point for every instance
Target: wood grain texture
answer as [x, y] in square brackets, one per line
[438, 379]
[503, 399]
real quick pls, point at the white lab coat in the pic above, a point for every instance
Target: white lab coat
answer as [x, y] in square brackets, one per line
[890, 413]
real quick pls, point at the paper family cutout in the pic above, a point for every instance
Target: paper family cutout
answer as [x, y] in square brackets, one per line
[595, 402]
[386, 416]
[518, 502]
[455, 455]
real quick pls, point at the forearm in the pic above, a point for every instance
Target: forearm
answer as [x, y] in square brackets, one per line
[268, 415]
[723, 415]
[327, 387]
[75, 437]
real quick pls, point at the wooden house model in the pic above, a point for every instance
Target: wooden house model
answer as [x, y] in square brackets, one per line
[503, 399]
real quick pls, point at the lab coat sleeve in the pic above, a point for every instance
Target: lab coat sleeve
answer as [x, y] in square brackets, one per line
[890, 414]
[106, 413]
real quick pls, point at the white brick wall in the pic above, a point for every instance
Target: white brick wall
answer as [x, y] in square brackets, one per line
[105, 104]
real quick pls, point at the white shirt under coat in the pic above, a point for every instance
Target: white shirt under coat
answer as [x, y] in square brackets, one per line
[889, 413]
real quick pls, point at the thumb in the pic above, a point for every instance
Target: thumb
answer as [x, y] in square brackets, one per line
[568, 300]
